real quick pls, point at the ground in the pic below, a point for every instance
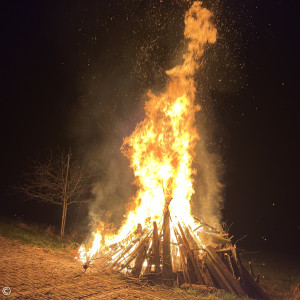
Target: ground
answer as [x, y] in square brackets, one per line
[32, 272]
[36, 273]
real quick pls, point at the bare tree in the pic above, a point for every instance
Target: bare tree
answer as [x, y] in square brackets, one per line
[60, 180]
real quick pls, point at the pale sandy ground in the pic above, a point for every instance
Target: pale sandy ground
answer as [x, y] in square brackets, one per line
[35, 273]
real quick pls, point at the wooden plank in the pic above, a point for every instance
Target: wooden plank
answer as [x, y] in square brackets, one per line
[183, 257]
[155, 249]
[140, 258]
[211, 228]
[225, 250]
[154, 252]
[213, 238]
[204, 273]
[218, 276]
[190, 255]
[174, 258]
[235, 264]
[118, 259]
[134, 253]
[208, 277]
[229, 264]
[229, 277]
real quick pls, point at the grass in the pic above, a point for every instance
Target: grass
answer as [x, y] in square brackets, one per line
[209, 295]
[35, 236]
[279, 274]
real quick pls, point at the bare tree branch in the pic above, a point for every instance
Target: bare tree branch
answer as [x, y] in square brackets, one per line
[60, 180]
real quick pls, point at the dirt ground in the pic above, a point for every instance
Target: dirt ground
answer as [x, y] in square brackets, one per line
[35, 273]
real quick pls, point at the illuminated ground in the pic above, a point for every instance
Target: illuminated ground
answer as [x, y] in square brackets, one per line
[41, 273]
[34, 273]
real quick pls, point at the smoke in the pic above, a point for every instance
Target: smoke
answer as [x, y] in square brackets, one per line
[110, 104]
[207, 202]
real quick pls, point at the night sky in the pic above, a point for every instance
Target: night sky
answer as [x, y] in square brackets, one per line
[75, 73]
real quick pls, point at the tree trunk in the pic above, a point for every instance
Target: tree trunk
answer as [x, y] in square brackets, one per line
[63, 219]
[64, 214]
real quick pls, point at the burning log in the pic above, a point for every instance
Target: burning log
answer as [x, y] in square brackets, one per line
[135, 252]
[121, 256]
[153, 255]
[141, 256]
[167, 273]
[155, 248]
[183, 257]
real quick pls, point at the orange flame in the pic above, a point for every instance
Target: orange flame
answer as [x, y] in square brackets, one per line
[161, 148]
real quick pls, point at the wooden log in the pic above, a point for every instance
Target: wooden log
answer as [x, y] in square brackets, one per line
[211, 228]
[205, 273]
[121, 256]
[209, 280]
[155, 248]
[149, 261]
[190, 255]
[174, 258]
[225, 272]
[213, 238]
[191, 241]
[218, 275]
[135, 251]
[229, 264]
[251, 287]
[249, 284]
[183, 257]
[167, 273]
[140, 258]
[179, 278]
[235, 264]
[154, 252]
[191, 270]
[225, 250]
[198, 256]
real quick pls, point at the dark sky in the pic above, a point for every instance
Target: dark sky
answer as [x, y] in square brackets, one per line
[74, 74]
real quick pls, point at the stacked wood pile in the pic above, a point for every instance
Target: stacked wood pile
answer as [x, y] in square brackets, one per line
[214, 263]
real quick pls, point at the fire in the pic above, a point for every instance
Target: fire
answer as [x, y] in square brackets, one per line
[161, 148]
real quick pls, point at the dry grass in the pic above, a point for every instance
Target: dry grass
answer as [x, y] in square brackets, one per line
[34, 235]
[280, 274]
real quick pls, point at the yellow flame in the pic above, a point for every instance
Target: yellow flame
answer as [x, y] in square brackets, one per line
[161, 148]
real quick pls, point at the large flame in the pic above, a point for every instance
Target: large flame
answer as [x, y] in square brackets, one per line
[161, 148]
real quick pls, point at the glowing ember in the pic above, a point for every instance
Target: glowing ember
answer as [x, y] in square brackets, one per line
[161, 150]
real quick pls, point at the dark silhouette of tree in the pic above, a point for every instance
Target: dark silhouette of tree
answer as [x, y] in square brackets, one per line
[59, 180]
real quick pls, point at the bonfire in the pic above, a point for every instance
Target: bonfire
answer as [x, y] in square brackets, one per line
[160, 239]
